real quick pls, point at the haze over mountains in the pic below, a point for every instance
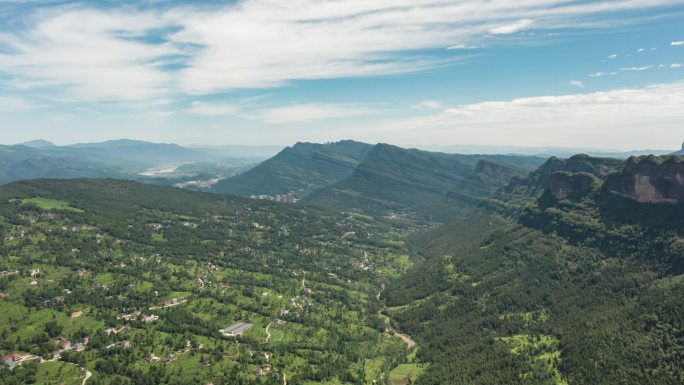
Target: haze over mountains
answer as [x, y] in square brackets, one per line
[127, 159]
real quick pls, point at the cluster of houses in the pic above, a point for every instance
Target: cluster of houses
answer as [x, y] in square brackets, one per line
[137, 315]
[65, 344]
[170, 303]
[282, 198]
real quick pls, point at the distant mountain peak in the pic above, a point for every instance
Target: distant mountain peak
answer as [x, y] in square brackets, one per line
[119, 143]
[38, 143]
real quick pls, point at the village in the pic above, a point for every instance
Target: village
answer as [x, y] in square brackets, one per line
[207, 292]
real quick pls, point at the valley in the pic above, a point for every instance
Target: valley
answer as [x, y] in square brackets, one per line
[111, 281]
[341, 192]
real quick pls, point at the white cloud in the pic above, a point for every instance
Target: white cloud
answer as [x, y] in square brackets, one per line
[638, 69]
[601, 74]
[427, 105]
[14, 104]
[95, 54]
[461, 46]
[301, 113]
[214, 109]
[575, 120]
[576, 83]
[677, 43]
[676, 65]
[128, 53]
[512, 28]
[613, 56]
[640, 50]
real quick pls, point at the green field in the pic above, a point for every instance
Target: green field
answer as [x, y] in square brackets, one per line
[58, 373]
[406, 374]
[50, 204]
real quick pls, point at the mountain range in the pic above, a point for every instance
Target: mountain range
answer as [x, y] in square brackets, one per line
[301, 169]
[380, 179]
[418, 267]
[397, 182]
[125, 159]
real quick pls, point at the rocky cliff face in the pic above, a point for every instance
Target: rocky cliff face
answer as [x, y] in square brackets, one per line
[566, 185]
[650, 180]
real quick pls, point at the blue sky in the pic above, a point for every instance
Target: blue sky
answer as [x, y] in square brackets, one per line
[589, 74]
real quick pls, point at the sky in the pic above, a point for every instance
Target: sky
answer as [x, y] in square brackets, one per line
[566, 73]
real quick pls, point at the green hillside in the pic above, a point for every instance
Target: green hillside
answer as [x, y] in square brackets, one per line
[301, 169]
[415, 184]
[533, 289]
[141, 278]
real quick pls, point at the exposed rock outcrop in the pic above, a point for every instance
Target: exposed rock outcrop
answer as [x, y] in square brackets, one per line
[650, 180]
[567, 185]
[598, 167]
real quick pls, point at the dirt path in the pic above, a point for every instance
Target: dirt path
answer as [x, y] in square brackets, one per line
[410, 343]
[87, 376]
[268, 334]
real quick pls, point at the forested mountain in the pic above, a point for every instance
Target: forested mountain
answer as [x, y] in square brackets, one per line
[301, 169]
[565, 277]
[409, 183]
[23, 162]
[134, 283]
[144, 154]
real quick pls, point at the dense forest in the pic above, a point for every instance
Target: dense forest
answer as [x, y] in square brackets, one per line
[532, 289]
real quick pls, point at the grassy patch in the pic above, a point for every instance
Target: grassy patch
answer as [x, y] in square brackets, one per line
[405, 374]
[156, 237]
[50, 204]
[56, 372]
